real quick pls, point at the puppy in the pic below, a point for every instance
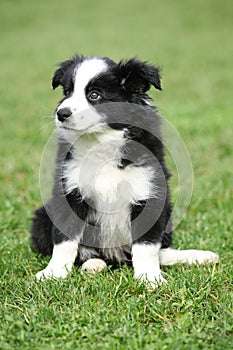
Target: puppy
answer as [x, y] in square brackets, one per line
[110, 202]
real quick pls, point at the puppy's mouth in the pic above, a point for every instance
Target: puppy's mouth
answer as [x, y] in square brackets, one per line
[89, 129]
[68, 127]
[74, 129]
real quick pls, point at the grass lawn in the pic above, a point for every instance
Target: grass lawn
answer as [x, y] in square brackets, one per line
[191, 42]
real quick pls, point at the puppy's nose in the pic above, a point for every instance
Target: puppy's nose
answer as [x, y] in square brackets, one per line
[63, 114]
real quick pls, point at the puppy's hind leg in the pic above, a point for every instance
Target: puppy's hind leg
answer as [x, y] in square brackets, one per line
[41, 232]
[93, 266]
[170, 256]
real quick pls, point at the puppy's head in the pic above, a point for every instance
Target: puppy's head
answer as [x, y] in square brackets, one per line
[90, 82]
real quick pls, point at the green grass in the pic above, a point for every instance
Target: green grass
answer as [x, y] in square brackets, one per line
[191, 41]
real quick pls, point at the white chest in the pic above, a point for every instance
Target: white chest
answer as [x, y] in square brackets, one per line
[107, 185]
[108, 189]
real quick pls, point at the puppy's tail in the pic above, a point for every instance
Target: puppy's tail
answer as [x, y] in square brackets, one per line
[170, 256]
[41, 232]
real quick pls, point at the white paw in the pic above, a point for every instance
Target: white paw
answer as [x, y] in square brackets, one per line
[49, 273]
[202, 257]
[151, 281]
[92, 266]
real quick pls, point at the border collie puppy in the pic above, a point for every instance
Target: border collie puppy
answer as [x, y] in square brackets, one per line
[110, 201]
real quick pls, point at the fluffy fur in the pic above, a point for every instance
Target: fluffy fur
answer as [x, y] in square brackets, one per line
[110, 199]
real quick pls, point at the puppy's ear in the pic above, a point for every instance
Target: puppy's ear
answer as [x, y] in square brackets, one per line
[138, 76]
[63, 67]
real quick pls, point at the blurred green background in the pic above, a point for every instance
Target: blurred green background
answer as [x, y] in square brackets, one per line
[189, 40]
[192, 43]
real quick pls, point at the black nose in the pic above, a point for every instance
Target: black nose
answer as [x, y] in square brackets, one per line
[63, 114]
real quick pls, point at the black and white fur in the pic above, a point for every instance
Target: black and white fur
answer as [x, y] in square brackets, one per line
[97, 181]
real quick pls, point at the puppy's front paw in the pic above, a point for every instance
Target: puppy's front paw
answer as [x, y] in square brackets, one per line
[151, 285]
[49, 273]
[151, 281]
[93, 266]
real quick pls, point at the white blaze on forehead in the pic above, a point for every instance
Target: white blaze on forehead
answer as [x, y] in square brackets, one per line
[83, 115]
[86, 71]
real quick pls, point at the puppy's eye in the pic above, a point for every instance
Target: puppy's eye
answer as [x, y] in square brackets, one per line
[67, 92]
[93, 96]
